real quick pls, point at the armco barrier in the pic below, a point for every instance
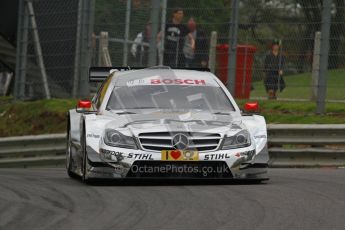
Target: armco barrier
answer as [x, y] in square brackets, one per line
[289, 146]
[28, 151]
[306, 145]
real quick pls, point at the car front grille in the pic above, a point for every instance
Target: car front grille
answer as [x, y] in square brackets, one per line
[157, 141]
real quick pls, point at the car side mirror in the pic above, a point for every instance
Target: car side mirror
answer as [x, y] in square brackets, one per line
[84, 106]
[251, 107]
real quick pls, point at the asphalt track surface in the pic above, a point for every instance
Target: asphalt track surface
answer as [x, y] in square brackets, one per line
[292, 199]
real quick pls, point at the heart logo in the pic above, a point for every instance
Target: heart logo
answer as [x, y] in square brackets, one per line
[175, 154]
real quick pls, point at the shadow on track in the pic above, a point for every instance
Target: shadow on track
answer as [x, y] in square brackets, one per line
[169, 181]
[173, 182]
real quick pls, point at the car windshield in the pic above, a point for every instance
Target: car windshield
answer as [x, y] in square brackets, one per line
[173, 97]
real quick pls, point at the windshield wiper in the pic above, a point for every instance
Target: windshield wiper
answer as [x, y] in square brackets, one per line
[149, 107]
[125, 112]
[120, 112]
[221, 113]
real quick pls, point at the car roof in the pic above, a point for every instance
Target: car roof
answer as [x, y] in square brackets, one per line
[164, 76]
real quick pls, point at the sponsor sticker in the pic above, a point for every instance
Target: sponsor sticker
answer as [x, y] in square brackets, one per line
[177, 82]
[140, 156]
[120, 155]
[260, 136]
[156, 80]
[108, 154]
[224, 156]
[219, 156]
[180, 155]
[92, 135]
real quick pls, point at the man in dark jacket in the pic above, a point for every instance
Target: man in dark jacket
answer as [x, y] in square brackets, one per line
[175, 33]
[274, 65]
[196, 46]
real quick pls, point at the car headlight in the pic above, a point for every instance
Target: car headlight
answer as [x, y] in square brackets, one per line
[117, 139]
[239, 140]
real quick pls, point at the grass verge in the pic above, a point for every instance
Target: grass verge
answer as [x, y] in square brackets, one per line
[33, 117]
[298, 86]
[49, 116]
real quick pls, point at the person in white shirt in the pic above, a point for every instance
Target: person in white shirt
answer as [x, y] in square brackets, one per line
[139, 48]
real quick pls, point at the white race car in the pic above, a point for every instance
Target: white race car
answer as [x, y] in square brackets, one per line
[164, 123]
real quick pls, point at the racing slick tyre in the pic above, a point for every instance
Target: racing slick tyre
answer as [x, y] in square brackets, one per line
[84, 177]
[258, 181]
[69, 160]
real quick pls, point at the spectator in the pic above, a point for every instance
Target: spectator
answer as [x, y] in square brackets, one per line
[5, 80]
[196, 47]
[138, 50]
[174, 40]
[274, 65]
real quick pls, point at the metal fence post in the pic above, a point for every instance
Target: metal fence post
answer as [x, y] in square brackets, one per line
[315, 66]
[38, 49]
[324, 50]
[82, 91]
[155, 23]
[163, 19]
[87, 20]
[233, 47]
[125, 44]
[77, 52]
[212, 54]
[21, 52]
[244, 72]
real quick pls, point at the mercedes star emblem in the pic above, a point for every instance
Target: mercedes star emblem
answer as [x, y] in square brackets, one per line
[180, 141]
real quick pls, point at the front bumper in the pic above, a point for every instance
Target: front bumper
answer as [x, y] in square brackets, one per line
[225, 164]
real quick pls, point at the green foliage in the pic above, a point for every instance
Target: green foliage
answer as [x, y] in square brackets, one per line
[33, 117]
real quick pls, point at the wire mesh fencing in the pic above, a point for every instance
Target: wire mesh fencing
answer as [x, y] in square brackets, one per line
[125, 22]
[291, 27]
[294, 26]
[46, 48]
[278, 43]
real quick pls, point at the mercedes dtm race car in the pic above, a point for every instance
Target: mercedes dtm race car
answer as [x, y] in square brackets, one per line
[164, 123]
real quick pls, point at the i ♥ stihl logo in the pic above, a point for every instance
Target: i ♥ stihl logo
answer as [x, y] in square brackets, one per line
[179, 155]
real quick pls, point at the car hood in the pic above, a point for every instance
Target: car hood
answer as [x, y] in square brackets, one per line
[162, 121]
